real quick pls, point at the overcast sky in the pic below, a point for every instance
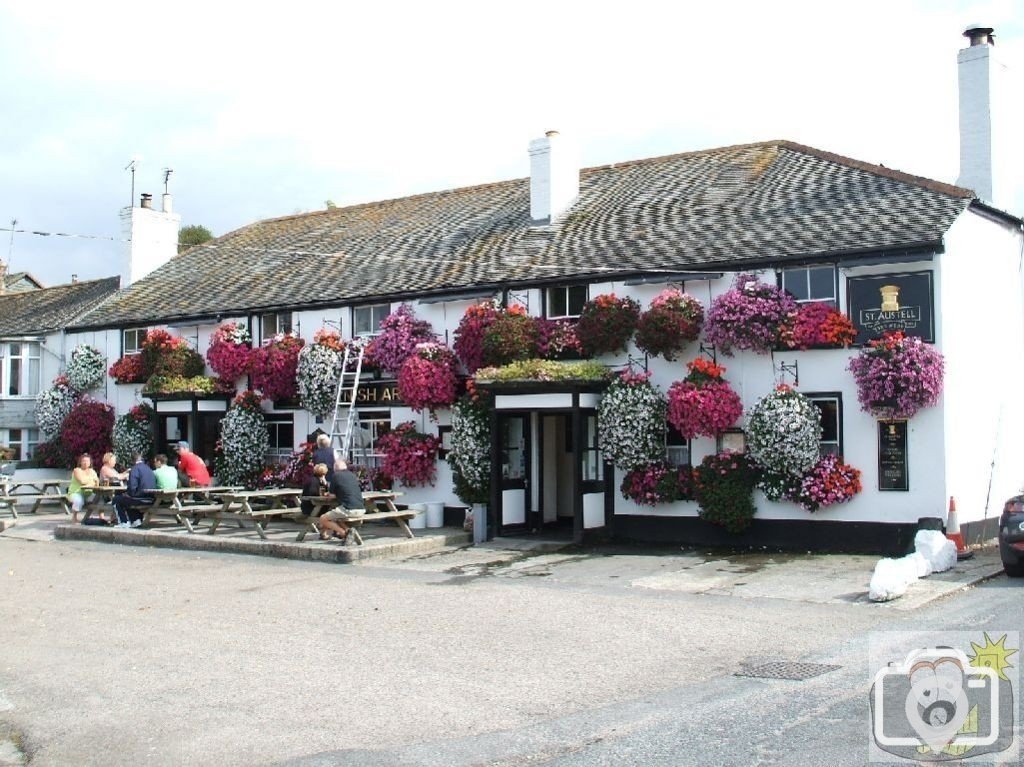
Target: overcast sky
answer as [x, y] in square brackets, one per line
[266, 109]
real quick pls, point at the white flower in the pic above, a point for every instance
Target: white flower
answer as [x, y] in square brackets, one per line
[631, 424]
[86, 369]
[317, 373]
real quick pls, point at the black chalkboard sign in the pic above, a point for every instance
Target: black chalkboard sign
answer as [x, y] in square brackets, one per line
[892, 456]
[888, 302]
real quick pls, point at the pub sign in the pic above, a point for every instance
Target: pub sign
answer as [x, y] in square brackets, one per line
[889, 302]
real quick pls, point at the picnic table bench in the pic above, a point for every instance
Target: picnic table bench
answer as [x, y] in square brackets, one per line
[185, 504]
[359, 516]
[256, 506]
[36, 491]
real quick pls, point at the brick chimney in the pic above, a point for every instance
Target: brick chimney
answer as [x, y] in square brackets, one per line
[985, 143]
[554, 177]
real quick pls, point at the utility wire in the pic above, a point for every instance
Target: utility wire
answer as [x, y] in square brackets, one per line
[14, 231]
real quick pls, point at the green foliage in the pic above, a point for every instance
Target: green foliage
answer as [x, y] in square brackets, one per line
[190, 236]
[545, 370]
[724, 488]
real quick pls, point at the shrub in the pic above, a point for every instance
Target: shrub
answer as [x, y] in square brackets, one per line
[724, 488]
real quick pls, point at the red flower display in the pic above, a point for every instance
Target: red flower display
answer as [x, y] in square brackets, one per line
[88, 429]
[703, 403]
[427, 379]
[469, 335]
[274, 367]
[817, 324]
[130, 369]
[410, 456]
[606, 324]
[229, 356]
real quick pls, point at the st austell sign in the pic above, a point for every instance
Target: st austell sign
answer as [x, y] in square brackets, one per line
[891, 302]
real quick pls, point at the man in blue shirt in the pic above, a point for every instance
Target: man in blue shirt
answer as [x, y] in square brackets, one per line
[140, 479]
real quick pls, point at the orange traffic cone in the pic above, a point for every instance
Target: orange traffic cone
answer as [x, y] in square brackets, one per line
[953, 532]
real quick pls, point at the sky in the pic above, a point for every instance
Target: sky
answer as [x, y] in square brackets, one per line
[267, 109]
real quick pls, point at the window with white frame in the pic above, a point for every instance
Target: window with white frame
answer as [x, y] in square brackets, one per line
[677, 447]
[565, 301]
[812, 283]
[281, 428]
[21, 442]
[19, 369]
[831, 407]
[590, 453]
[132, 340]
[372, 425]
[366, 319]
[273, 323]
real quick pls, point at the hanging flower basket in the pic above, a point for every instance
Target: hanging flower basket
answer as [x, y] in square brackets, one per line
[512, 336]
[86, 368]
[274, 367]
[230, 352]
[410, 456]
[88, 428]
[53, 405]
[606, 324]
[818, 325]
[673, 320]
[167, 355]
[828, 482]
[783, 432]
[751, 315]
[469, 335]
[470, 452]
[631, 421]
[724, 488]
[427, 380]
[703, 403]
[130, 369]
[658, 482]
[545, 370]
[133, 433]
[557, 339]
[317, 372]
[400, 331]
[897, 375]
[244, 441]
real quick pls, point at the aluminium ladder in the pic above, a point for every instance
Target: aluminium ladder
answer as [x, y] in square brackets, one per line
[344, 425]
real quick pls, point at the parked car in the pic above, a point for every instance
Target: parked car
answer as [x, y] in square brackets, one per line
[1011, 536]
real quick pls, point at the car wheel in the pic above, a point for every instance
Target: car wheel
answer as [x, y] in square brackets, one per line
[1014, 571]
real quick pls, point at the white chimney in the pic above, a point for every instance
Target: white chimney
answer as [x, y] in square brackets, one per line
[985, 148]
[554, 177]
[151, 239]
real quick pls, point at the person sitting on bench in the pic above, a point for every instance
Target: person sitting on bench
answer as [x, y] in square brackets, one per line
[317, 486]
[140, 479]
[82, 478]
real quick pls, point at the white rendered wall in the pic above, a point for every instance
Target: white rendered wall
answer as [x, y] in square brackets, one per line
[983, 339]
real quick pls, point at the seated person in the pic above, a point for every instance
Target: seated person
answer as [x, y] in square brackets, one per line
[82, 477]
[126, 505]
[109, 475]
[192, 465]
[315, 486]
[346, 490]
[166, 476]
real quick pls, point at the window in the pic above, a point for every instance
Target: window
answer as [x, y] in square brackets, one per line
[281, 428]
[273, 323]
[366, 319]
[593, 463]
[565, 301]
[814, 283]
[372, 425]
[831, 407]
[132, 341]
[22, 442]
[677, 447]
[19, 371]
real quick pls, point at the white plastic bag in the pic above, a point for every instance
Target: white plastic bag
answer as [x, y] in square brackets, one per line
[936, 548]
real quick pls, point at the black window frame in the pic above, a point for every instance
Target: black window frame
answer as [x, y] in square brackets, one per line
[277, 316]
[568, 315]
[375, 323]
[832, 300]
[139, 340]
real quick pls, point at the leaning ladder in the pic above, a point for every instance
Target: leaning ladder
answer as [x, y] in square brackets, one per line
[346, 416]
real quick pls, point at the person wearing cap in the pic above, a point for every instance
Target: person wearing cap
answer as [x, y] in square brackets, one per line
[192, 466]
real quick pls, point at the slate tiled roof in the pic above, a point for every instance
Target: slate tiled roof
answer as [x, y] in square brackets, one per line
[16, 281]
[35, 312]
[755, 204]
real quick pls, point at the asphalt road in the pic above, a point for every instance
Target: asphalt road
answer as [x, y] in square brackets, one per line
[121, 656]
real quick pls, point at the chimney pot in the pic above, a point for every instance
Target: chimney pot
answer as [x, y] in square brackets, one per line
[147, 202]
[979, 35]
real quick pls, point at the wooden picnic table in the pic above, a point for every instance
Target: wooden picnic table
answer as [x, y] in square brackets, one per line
[256, 506]
[13, 492]
[185, 504]
[356, 520]
[95, 497]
